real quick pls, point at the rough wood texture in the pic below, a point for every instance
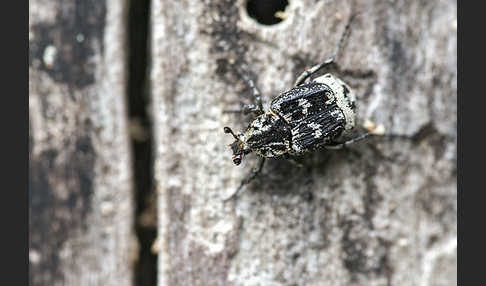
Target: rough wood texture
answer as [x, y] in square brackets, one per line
[381, 213]
[81, 209]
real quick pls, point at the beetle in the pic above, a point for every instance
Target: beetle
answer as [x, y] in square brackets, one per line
[308, 117]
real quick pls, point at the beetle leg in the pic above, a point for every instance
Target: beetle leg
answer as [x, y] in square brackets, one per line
[294, 160]
[257, 106]
[250, 177]
[337, 145]
[307, 73]
[246, 109]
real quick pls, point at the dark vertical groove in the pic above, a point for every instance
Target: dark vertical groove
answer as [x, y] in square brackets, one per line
[138, 104]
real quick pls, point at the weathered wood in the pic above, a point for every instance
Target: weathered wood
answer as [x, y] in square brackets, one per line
[381, 213]
[80, 193]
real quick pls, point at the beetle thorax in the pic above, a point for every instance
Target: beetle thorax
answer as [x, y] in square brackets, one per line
[268, 135]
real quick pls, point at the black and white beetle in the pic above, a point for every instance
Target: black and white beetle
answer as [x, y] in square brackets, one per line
[305, 118]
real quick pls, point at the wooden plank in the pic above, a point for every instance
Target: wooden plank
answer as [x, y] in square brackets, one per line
[381, 213]
[80, 193]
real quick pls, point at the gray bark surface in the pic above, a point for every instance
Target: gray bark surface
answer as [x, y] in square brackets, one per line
[382, 212]
[80, 180]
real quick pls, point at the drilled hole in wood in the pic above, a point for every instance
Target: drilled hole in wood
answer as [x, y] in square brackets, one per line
[267, 12]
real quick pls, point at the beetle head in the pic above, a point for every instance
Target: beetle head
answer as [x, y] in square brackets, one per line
[238, 147]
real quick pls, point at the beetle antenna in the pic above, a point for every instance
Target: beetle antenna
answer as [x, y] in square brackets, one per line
[228, 130]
